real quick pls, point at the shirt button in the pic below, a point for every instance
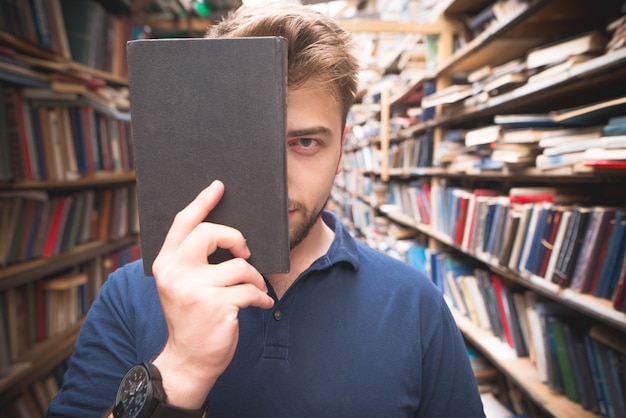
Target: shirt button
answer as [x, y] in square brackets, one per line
[278, 315]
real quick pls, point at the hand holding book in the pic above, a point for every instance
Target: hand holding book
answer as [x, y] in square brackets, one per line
[201, 301]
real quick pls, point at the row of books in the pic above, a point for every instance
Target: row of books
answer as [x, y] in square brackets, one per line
[412, 152]
[411, 199]
[548, 61]
[593, 135]
[37, 224]
[472, 25]
[78, 30]
[356, 182]
[364, 159]
[585, 361]
[554, 234]
[33, 312]
[59, 136]
[33, 401]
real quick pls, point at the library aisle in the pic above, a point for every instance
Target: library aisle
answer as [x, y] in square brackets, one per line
[487, 148]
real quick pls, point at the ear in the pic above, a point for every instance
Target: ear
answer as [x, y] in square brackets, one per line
[346, 129]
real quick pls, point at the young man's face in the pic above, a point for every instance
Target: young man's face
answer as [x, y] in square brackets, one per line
[314, 147]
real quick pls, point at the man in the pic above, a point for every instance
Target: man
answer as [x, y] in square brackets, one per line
[349, 332]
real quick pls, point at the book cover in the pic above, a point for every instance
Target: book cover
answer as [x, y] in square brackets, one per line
[574, 333]
[558, 243]
[207, 109]
[543, 224]
[525, 212]
[593, 113]
[549, 243]
[610, 256]
[572, 242]
[539, 350]
[598, 353]
[498, 287]
[486, 288]
[561, 50]
[564, 361]
[619, 294]
[591, 245]
[501, 212]
[510, 231]
[514, 321]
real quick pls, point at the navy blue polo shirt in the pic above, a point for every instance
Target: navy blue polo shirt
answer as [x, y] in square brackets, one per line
[359, 334]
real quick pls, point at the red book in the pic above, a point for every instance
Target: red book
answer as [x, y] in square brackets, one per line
[532, 198]
[496, 281]
[422, 202]
[460, 222]
[613, 164]
[605, 242]
[55, 228]
[619, 294]
[21, 120]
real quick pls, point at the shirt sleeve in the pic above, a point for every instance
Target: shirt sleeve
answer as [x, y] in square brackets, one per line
[105, 349]
[449, 385]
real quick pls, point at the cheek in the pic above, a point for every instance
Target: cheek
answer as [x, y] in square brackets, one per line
[310, 174]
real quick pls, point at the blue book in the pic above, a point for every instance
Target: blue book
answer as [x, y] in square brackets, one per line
[78, 139]
[544, 239]
[39, 152]
[614, 252]
[613, 275]
[491, 209]
[595, 373]
[615, 126]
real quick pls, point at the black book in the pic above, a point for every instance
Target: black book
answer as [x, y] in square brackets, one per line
[573, 240]
[205, 110]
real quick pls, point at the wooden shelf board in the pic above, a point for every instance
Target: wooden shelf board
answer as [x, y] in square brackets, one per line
[22, 273]
[98, 179]
[465, 6]
[38, 362]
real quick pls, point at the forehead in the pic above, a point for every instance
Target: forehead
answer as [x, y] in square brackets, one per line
[313, 105]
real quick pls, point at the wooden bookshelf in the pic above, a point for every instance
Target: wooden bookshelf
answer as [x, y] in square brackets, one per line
[31, 62]
[540, 23]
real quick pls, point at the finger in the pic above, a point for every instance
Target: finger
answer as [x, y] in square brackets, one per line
[245, 295]
[206, 237]
[192, 215]
[237, 271]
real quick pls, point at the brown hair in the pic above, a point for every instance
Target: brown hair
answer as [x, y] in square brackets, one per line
[319, 50]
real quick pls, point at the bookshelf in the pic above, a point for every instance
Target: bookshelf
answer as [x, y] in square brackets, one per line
[67, 196]
[384, 216]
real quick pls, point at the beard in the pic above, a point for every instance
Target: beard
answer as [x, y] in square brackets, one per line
[302, 229]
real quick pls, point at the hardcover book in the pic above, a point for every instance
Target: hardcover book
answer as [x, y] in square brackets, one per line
[205, 110]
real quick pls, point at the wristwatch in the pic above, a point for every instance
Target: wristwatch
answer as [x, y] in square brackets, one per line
[141, 395]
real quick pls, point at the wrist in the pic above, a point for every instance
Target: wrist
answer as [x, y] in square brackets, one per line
[141, 395]
[184, 386]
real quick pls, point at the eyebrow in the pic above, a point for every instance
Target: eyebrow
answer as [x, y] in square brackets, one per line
[316, 130]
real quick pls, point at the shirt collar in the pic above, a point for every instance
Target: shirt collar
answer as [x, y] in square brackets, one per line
[344, 246]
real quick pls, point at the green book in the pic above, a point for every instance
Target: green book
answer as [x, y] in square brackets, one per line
[563, 358]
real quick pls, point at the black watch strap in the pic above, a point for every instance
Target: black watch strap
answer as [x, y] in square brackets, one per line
[170, 411]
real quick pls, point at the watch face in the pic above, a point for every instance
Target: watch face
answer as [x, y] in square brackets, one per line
[133, 391]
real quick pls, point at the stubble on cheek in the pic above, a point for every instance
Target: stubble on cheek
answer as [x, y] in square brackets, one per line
[301, 230]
